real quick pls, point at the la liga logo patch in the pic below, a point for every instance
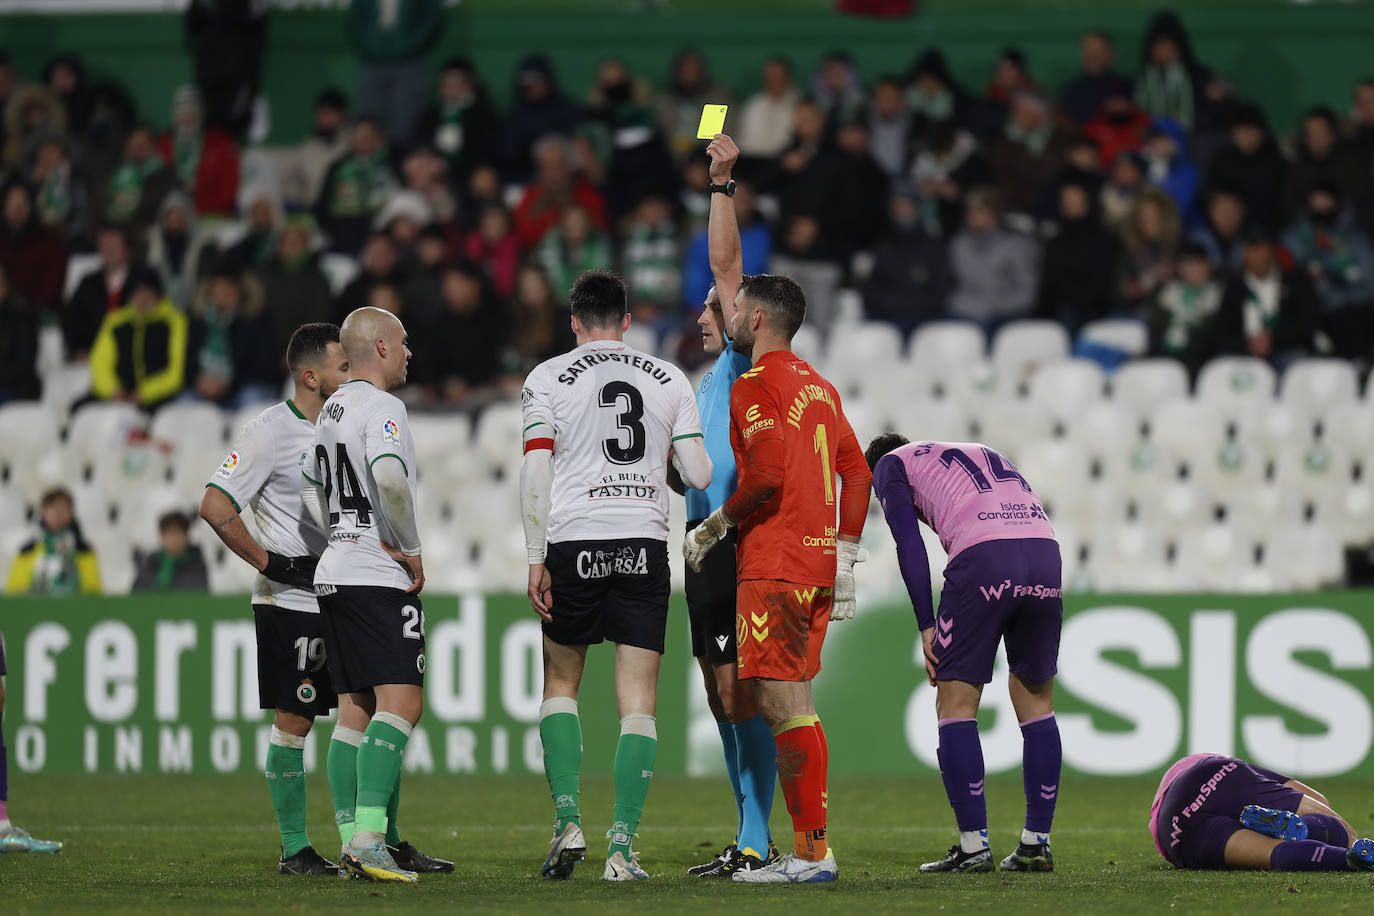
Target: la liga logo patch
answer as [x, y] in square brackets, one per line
[226, 470]
[390, 431]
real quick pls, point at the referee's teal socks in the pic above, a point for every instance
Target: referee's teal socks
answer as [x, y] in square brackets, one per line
[758, 777]
[633, 769]
[379, 769]
[560, 730]
[286, 785]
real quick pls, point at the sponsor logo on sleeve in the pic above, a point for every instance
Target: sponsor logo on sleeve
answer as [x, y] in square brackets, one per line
[391, 432]
[226, 470]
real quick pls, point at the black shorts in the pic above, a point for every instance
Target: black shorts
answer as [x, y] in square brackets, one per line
[711, 601]
[292, 673]
[373, 635]
[609, 590]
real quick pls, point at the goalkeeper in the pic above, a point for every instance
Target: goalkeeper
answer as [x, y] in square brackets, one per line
[796, 565]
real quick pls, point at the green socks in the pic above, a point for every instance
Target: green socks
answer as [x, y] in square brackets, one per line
[342, 766]
[393, 832]
[379, 769]
[561, 732]
[286, 785]
[634, 768]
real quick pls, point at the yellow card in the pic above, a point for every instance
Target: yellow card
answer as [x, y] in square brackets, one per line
[712, 121]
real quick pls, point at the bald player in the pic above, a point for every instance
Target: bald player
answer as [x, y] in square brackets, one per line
[360, 478]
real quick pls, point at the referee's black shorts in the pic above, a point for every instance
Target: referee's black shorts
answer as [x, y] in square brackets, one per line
[711, 601]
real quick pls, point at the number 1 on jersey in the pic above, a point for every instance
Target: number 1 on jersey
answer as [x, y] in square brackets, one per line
[822, 442]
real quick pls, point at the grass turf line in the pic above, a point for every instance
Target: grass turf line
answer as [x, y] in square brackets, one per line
[171, 844]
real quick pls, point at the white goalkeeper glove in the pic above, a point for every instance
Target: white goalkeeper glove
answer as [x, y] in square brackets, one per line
[847, 553]
[703, 537]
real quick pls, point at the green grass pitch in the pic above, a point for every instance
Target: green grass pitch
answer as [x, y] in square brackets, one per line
[181, 844]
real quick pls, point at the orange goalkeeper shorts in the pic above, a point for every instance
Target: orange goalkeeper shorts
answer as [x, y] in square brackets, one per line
[779, 628]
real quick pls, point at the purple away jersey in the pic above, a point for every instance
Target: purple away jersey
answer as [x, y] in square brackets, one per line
[970, 494]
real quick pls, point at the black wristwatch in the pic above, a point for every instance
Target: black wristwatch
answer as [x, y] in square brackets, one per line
[728, 189]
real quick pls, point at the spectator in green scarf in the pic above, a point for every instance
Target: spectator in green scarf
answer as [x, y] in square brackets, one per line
[178, 565]
[356, 187]
[58, 561]
[138, 185]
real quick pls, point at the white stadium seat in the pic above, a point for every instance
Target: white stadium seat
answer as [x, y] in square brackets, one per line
[1265, 508]
[1021, 347]
[1143, 383]
[857, 350]
[78, 265]
[807, 344]
[1318, 384]
[1141, 469]
[936, 420]
[1214, 556]
[1010, 425]
[64, 387]
[1176, 506]
[642, 338]
[339, 270]
[939, 349]
[96, 429]
[1066, 388]
[1350, 426]
[1237, 383]
[1185, 426]
[29, 448]
[1307, 558]
[1226, 468]
[1314, 471]
[1125, 335]
[1105, 429]
[1348, 513]
[1276, 426]
[498, 440]
[1054, 469]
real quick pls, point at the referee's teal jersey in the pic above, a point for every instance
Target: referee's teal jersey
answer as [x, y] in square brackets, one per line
[713, 403]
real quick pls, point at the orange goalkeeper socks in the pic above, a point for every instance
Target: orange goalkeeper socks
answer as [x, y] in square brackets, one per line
[802, 772]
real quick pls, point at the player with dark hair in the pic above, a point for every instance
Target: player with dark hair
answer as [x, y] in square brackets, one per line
[601, 424]
[796, 566]
[1215, 811]
[1002, 583]
[262, 473]
[750, 754]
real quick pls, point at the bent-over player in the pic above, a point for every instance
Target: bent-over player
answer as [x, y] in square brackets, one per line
[796, 566]
[361, 475]
[1214, 811]
[1002, 582]
[601, 423]
[262, 473]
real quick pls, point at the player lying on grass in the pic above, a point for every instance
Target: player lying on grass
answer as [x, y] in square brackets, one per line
[1213, 811]
[1002, 583]
[12, 838]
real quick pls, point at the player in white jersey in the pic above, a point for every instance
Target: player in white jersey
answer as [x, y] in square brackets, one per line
[601, 424]
[361, 483]
[262, 474]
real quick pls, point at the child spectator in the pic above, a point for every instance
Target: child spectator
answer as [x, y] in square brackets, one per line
[1182, 311]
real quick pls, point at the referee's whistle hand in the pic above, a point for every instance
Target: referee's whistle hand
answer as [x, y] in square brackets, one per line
[540, 591]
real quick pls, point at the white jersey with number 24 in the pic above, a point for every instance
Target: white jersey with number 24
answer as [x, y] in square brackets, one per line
[359, 425]
[612, 414]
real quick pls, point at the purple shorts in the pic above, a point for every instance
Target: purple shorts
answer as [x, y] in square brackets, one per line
[1000, 590]
[1201, 809]
[2, 654]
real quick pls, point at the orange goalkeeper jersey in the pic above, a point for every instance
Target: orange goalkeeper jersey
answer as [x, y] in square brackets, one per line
[790, 439]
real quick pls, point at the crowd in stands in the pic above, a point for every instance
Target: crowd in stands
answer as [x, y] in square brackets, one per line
[1163, 195]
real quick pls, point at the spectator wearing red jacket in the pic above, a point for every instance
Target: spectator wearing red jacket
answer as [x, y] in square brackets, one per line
[34, 257]
[1120, 127]
[205, 160]
[495, 246]
[555, 188]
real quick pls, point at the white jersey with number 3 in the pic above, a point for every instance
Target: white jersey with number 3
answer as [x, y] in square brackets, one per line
[359, 425]
[611, 413]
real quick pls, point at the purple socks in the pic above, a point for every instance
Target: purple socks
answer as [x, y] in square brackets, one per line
[4, 768]
[1325, 828]
[961, 768]
[1308, 855]
[1041, 758]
